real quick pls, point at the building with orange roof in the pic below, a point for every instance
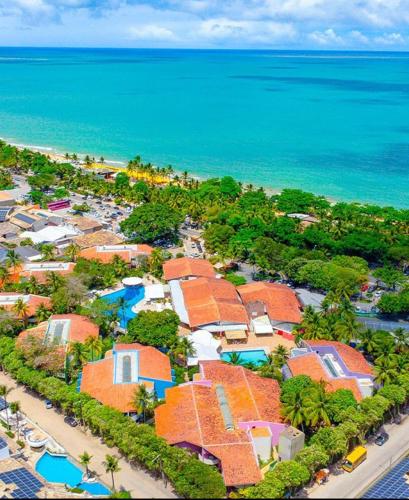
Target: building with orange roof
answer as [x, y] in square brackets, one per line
[209, 303]
[228, 415]
[339, 365]
[63, 329]
[270, 306]
[8, 301]
[40, 270]
[115, 379]
[105, 253]
[187, 268]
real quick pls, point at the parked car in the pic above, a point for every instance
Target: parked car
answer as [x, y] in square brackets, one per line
[381, 439]
[71, 421]
[48, 404]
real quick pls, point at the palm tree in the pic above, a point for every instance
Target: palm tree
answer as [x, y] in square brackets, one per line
[315, 403]
[402, 339]
[183, 347]
[4, 275]
[120, 305]
[111, 465]
[94, 345]
[42, 313]
[72, 251]
[15, 408]
[101, 159]
[47, 251]
[293, 410]
[13, 259]
[85, 460]
[385, 371]
[235, 358]
[32, 285]
[79, 354]
[54, 281]
[281, 355]
[4, 392]
[21, 309]
[142, 400]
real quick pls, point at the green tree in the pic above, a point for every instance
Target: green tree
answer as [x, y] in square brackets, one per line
[158, 329]
[338, 402]
[15, 408]
[142, 400]
[111, 465]
[313, 458]
[85, 460]
[4, 392]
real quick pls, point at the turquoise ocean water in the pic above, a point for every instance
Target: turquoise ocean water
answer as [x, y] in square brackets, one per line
[333, 123]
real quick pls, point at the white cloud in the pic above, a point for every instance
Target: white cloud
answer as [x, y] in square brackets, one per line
[358, 37]
[327, 37]
[390, 39]
[151, 32]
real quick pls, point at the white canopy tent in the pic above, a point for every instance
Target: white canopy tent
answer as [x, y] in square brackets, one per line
[206, 347]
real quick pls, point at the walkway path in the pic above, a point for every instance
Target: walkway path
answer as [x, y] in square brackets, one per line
[380, 459]
[76, 441]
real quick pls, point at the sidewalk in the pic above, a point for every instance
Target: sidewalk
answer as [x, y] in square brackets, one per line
[380, 460]
[76, 441]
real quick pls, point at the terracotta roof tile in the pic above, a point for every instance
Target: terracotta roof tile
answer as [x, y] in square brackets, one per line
[33, 302]
[39, 270]
[98, 377]
[309, 364]
[126, 252]
[185, 267]
[211, 300]
[353, 359]
[280, 301]
[192, 415]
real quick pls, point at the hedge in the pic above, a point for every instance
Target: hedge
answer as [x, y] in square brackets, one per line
[137, 442]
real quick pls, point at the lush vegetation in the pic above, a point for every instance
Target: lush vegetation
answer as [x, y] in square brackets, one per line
[137, 442]
[158, 329]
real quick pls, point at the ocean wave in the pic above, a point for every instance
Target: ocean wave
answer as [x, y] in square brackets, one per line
[2, 58]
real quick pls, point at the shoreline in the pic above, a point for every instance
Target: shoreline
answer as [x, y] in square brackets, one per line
[56, 155]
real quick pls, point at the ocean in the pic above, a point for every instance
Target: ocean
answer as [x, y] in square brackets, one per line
[334, 123]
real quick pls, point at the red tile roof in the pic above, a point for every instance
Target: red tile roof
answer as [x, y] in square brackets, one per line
[40, 272]
[33, 302]
[126, 252]
[192, 415]
[280, 301]
[353, 359]
[185, 267]
[98, 378]
[212, 300]
[80, 329]
[310, 364]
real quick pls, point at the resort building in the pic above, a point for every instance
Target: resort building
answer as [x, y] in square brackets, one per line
[8, 301]
[40, 270]
[59, 235]
[128, 253]
[211, 304]
[115, 379]
[185, 268]
[339, 365]
[99, 238]
[63, 329]
[228, 415]
[272, 308]
[85, 225]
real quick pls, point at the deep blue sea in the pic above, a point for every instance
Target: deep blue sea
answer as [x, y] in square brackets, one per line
[332, 123]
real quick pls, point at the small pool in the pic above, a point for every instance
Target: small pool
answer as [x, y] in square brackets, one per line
[256, 356]
[62, 470]
[132, 295]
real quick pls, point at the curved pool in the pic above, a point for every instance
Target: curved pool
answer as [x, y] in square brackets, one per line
[61, 470]
[131, 295]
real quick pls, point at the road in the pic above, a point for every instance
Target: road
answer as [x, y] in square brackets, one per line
[76, 441]
[380, 459]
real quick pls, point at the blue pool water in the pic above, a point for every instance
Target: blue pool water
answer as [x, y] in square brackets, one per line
[132, 295]
[62, 470]
[256, 356]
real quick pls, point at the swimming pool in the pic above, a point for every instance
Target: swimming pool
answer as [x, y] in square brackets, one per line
[62, 470]
[132, 295]
[256, 356]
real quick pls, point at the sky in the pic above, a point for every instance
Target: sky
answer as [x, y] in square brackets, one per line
[218, 24]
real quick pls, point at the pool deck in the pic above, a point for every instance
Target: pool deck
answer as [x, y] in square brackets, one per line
[266, 342]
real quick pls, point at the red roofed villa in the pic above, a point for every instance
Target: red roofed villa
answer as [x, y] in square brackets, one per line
[62, 329]
[40, 270]
[8, 301]
[271, 307]
[338, 364]
[187, 268]
[105, 253]
[228, 415]
[114, 380]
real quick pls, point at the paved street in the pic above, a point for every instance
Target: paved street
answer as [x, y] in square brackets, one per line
[75, 441]
[380, 459]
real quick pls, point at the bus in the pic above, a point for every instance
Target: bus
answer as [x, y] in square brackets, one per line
[355, 458]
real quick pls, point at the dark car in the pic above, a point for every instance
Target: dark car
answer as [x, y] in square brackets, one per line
[48, 404]
[71, 421]
[381, 439]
